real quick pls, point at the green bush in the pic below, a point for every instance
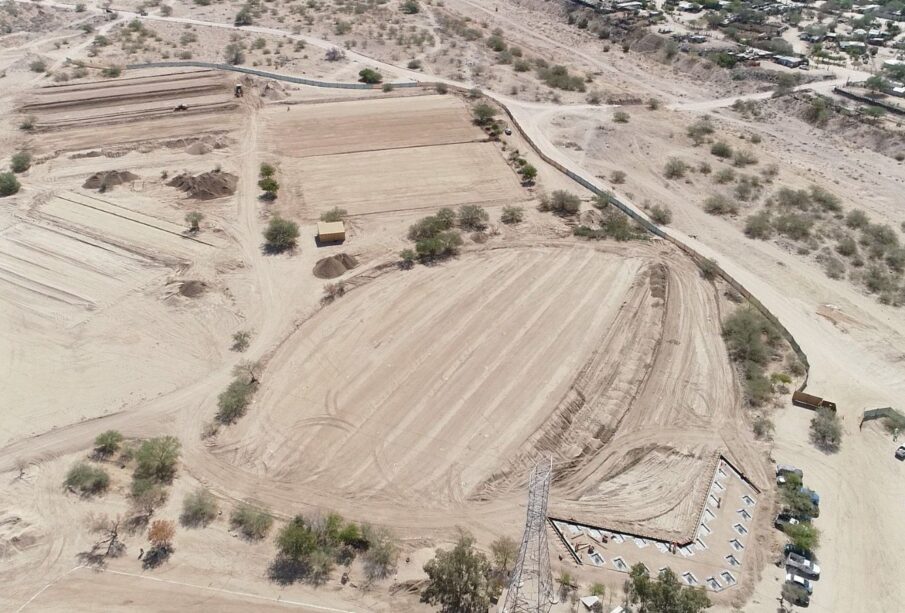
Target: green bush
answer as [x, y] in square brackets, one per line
[743, 158]
[107, 443]
[483, 113]
[370, 76]
[719, 204]
[87, 479]
[675, 168]
[111, 72]
[759, 225]
[232, 403]
[512, 215]
[280, 235]
[721, 150]
[267, 170]
[621, 117]
[334, 214]
[749, 336]
[803, 535]
[157, 459]
[198, 508]
[9, 184]
[699, 130]
[724, 176]
[561, 202]
[441, 245]
[793, 225]
[558, 77]
[253, 523]
[20, 161]
[847, 246]
[473, 217]
[856, 219]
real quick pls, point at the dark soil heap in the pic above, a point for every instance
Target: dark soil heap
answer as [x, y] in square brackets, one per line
[334, 266]
[105, 180]
[207, 185]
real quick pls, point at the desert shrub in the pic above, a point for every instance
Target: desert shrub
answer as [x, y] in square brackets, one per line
[847, 246]
[370, 76]
[793, 225]
[410, 7]
[528, 173]
[232, 403]
[877, 280]
[699, 130]
[28, 123]
[878, 239]
[253, 523]
[817, 112]
[558, 77]
[834, 267]
[758, 389]
[441, 245]
[270, 187]
[723, 176]
[233, 54]
[266, 170]
[675, 168]
[241, 339]
[803, 535]
[38, 66]
[414, 64]
[721, 150]
[747, 188]
[107, 443]
[20, 161]
[483, 113]
[407, 258]
[157, 459]
[856, 219]
[661, 214]
[198, 508]
[512, 215]
[496, 42]
[826, 430]
[763, 427]
[280, 235]
[87, 479]
[334, 214]
[446, 218]
[429, 227]
[718, 204]
[111, 72]
[826, 200]
[618, 177]
[895, 259]
[709, 269]
[561, 202]
[473, 217]
[749, 336]
[787, 198]
[743, 158]
[621, 117]
[244, 17]
[380, 558]
[759, 225]
[193, 218]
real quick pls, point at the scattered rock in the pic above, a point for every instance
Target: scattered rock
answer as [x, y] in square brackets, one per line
[334, 266]
[198, 148]
[206, 186]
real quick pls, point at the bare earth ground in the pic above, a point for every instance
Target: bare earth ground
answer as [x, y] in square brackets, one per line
[169, 356]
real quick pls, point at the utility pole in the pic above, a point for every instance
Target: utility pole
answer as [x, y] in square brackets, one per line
[531, 584]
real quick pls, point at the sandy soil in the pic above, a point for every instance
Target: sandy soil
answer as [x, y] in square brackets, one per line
[98, 325]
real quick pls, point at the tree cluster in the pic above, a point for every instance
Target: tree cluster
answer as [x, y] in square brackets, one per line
[752, 340]
[663, 594]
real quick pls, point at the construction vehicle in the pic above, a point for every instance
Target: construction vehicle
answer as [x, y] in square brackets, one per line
[238, 91]
[180, 107]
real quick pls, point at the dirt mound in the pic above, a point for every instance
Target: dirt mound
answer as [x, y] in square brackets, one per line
[274, 91]
[198, 148]
[107, 179]
[207, 185]
[334, 266]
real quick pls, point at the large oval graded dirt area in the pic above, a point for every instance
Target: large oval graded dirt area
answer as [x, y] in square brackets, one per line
[443, 384]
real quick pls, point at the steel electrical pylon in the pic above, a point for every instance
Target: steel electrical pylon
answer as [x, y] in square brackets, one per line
[531, 584]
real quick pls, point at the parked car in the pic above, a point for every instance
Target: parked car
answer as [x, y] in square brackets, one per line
[807, 554]
[785, 519]
[799, 580]
[786, 469]
[900, 452]
[808, 568]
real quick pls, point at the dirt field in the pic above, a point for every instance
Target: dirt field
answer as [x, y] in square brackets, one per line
[418, 400]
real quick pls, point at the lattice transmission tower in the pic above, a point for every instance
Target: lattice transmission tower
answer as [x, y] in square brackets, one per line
[531, 585]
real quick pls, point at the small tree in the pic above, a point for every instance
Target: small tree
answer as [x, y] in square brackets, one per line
[270, 187]
[253, 523]
[87, 480]
[407, 258]
[803, 535]
[157, 458]
[721, 150]
[473, 217]
[146, 496]
[107, 443]
[334, 54]
[483, 113]
[109, 544]
[20, 161]
[280, 235]
[9, 185]
[198, 508]
[193, 218]
[512, 215]
[826, 430]
[529, 173]
[458, 579]
[370, 76]
[561, 202]
[244, 17]
[160, 535]
[504, 551]
[233, 54]
[382, 553]
[267, 170]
